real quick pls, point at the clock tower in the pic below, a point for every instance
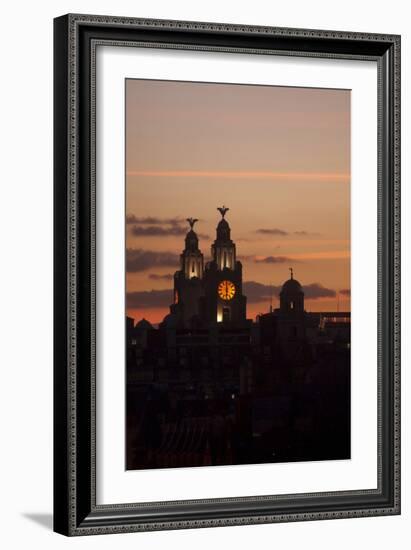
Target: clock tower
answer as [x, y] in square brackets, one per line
[223, 300]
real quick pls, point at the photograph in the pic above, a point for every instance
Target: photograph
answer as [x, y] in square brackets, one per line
[238, 274]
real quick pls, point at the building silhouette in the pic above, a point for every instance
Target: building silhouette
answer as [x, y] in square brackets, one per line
[210, 387]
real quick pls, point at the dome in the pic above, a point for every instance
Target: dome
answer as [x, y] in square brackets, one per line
[143, 325]
[191, 240]
[292, 297]
[223, 230]
[291, 286]
[223, 224]
[192, 235]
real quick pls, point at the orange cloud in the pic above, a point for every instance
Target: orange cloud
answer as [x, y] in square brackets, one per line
[326, 255]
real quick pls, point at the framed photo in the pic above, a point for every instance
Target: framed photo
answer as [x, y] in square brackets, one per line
[227, 277]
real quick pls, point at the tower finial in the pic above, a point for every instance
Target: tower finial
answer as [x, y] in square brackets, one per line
[192, 221]
[291, 272]
[223, 209]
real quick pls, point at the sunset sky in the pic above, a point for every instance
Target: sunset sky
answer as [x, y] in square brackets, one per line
[278, 157]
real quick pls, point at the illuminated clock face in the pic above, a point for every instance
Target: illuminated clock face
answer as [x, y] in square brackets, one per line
[226, 290]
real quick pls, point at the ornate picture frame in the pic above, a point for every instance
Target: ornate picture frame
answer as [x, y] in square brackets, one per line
[76, 511]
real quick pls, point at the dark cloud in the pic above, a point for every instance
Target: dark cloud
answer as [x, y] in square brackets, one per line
[158, 230]
[149, 298]
[346, 292]
[282, 233]
[245, 258]
[151, 226]
[162, 231]
[317, 290]
[306, 234]
[138, 259]
[259, 292]
[151, 220]
[158, 277]
[275, 231]
[274, 260]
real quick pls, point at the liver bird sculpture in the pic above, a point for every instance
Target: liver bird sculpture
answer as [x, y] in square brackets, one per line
[192, 221]
[223, 209]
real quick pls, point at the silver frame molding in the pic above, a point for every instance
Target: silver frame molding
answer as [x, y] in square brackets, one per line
[76, 39]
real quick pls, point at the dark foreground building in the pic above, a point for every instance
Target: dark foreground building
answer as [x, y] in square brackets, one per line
[210, 387]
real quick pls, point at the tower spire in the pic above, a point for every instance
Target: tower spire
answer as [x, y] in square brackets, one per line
[291, 273]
